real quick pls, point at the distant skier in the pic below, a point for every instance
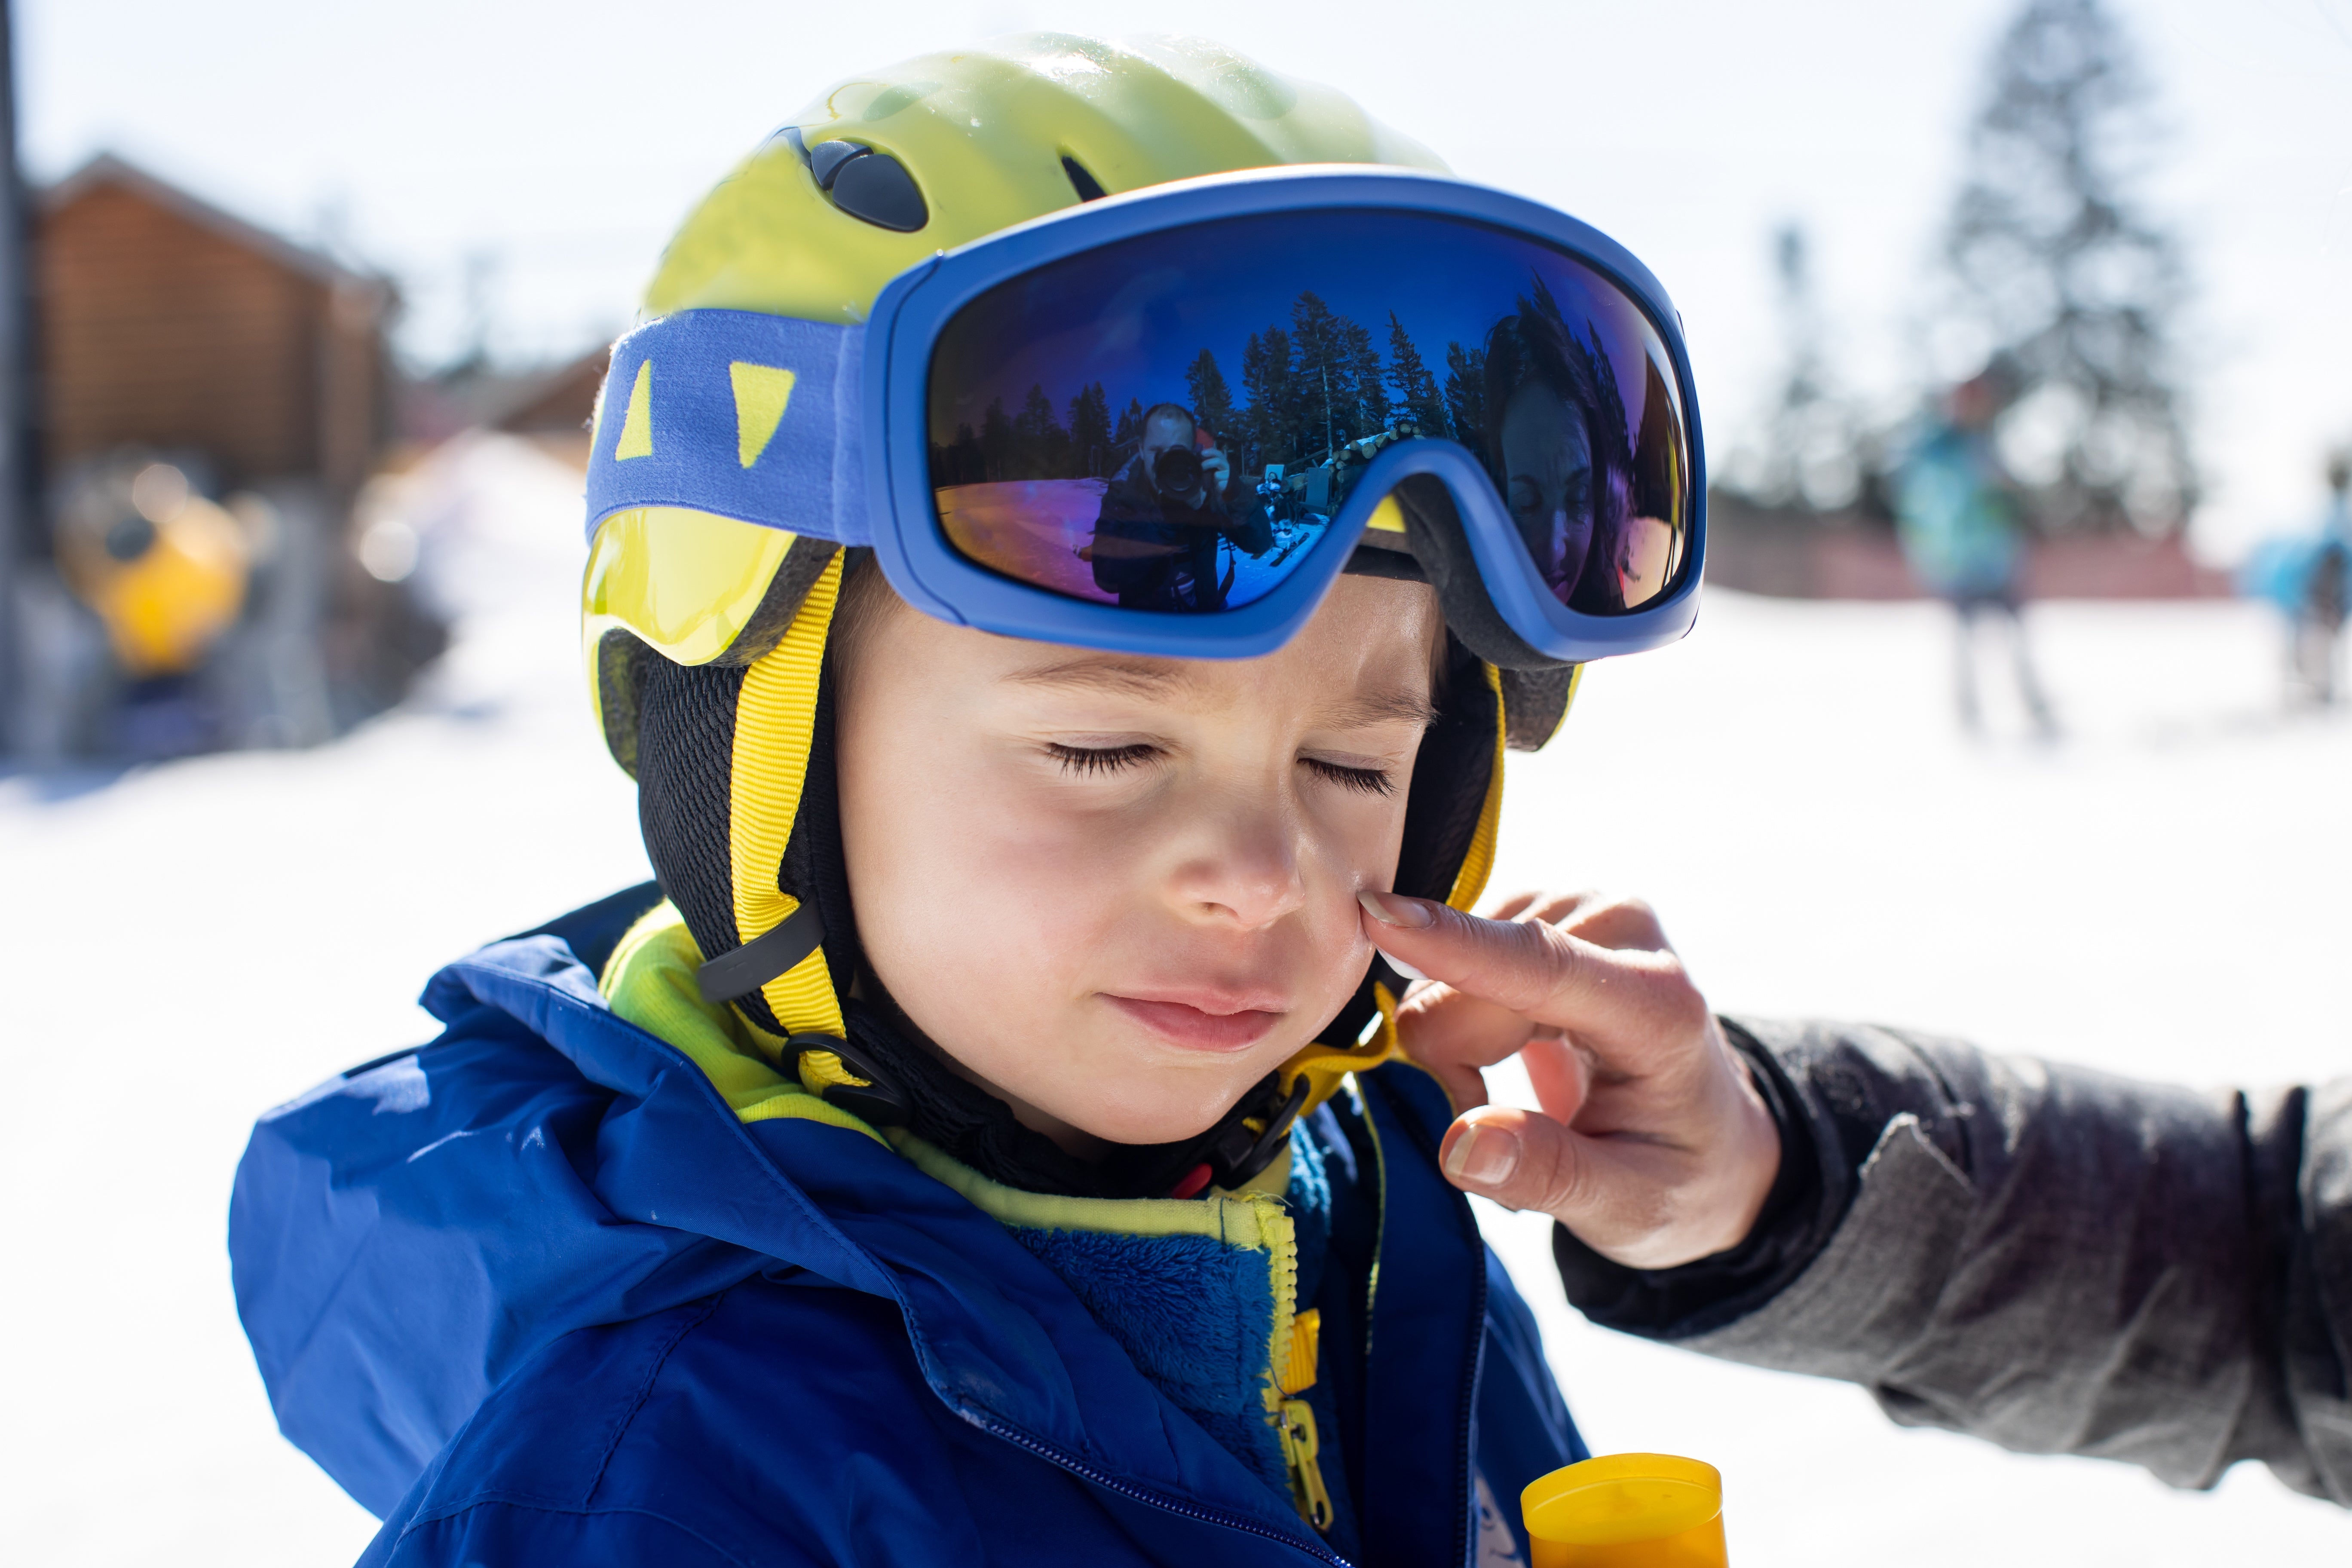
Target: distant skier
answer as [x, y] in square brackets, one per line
[1956, 515]
[2308, 576]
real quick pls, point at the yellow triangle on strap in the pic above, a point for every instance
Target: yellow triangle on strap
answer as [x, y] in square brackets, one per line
[760, 393]
[638, 427]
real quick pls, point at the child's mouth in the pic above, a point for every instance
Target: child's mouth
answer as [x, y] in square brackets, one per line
[1197, 1027]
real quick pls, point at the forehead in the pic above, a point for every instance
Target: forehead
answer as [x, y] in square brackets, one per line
[1367, 653]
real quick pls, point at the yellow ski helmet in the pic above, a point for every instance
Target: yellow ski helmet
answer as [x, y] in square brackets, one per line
[705, 638]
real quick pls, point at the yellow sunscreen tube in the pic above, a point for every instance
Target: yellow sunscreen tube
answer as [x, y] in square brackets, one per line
[1627, 1511]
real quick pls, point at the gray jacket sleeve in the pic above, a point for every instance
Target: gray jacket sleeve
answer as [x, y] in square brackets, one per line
[2052, 1258]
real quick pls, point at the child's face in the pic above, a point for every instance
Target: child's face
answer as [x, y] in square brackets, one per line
[1119, 890]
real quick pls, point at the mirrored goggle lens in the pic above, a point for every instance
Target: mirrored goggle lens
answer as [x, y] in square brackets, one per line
[1171, 423]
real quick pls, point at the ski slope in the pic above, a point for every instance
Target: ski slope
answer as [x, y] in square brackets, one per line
[2163, 892]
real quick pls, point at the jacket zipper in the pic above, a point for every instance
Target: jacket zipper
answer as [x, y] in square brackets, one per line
[1087, 1473]
[1466, 1410]
[1466, 1407]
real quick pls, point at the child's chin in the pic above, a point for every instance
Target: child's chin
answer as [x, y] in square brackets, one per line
[1156, 1119]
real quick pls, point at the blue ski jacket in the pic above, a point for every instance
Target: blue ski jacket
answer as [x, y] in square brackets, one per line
[534, 1293]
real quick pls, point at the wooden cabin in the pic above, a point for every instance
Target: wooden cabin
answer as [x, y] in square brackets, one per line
[166, 327]
[167, 323]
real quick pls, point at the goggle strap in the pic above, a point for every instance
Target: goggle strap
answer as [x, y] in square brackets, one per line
[739, 414]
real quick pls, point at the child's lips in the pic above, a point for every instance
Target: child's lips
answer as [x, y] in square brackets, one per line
[1201, 1024]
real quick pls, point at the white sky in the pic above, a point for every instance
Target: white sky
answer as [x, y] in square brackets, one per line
[565, 142]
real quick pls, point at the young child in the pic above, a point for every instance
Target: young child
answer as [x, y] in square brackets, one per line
[990, 1142]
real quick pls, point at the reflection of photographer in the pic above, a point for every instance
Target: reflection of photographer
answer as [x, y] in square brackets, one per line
[1155, 542]
[1176, 465]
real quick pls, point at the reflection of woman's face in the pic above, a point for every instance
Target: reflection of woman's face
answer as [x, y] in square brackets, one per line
[1547, 469]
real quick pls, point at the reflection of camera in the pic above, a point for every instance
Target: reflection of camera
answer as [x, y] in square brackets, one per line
[1177, 471]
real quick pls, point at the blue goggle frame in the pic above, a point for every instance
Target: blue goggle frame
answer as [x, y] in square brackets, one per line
[849, 459]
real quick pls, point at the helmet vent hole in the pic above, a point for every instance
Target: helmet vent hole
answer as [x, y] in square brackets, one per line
[826, 158]
[1090, 189]
[871, 185]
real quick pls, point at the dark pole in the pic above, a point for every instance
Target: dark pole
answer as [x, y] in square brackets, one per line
[16, 400]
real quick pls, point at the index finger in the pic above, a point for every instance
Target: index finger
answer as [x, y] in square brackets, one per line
[1529, 967]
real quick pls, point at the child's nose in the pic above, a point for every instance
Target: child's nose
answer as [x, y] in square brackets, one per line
[1247, 873]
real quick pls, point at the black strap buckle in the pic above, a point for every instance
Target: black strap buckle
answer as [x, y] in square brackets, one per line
[1231, 1152]
[879, 1101]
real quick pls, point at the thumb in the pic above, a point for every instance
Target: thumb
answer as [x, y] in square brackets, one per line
[1524, 1160]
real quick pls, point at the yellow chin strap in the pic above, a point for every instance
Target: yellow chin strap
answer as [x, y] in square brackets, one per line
[773, 720]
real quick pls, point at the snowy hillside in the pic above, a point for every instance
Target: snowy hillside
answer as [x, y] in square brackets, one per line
[2164, 892]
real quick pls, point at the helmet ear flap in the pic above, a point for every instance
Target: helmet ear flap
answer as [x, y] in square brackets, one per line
[620, 675]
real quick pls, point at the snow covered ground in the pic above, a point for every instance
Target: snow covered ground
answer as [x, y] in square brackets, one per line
[2163, 892]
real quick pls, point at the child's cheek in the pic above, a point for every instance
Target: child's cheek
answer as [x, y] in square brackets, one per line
[1038, 880]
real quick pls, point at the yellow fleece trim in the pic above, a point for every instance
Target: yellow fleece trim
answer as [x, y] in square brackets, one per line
[1471, 880]
[1246, 1220]
[649, 981]
[774, 718]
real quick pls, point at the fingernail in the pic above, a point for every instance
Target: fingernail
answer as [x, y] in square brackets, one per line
[1400, 965]
[1484, 1155]
[1396, 910]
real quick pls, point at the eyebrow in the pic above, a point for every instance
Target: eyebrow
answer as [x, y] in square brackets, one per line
[1152, 678]
[1128, 677]
[1383, 708]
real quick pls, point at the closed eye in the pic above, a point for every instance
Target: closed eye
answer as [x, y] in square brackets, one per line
[1368, 781]
[1085, 762]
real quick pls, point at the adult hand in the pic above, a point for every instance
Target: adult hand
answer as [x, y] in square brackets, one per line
[1214, 471]
[1652, 1145]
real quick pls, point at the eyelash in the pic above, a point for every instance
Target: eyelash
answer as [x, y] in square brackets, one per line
[1365, 781]
[1084, 762]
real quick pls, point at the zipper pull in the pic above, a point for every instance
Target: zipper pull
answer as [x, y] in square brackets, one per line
[1300, 1446]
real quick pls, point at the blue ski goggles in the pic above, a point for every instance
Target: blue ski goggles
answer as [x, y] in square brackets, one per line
[1163, 423]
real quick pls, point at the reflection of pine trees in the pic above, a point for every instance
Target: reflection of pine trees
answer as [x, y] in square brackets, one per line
[1128, 437]
[1417, 397]
[1090, 435]
[1368, 392]
[1271, 418]
[1323, 383]
[1309, 388]
[996, 441]
[1040, 445]
[1212, 400]
[1322, 378]
[961, 463]
[1466, 395]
